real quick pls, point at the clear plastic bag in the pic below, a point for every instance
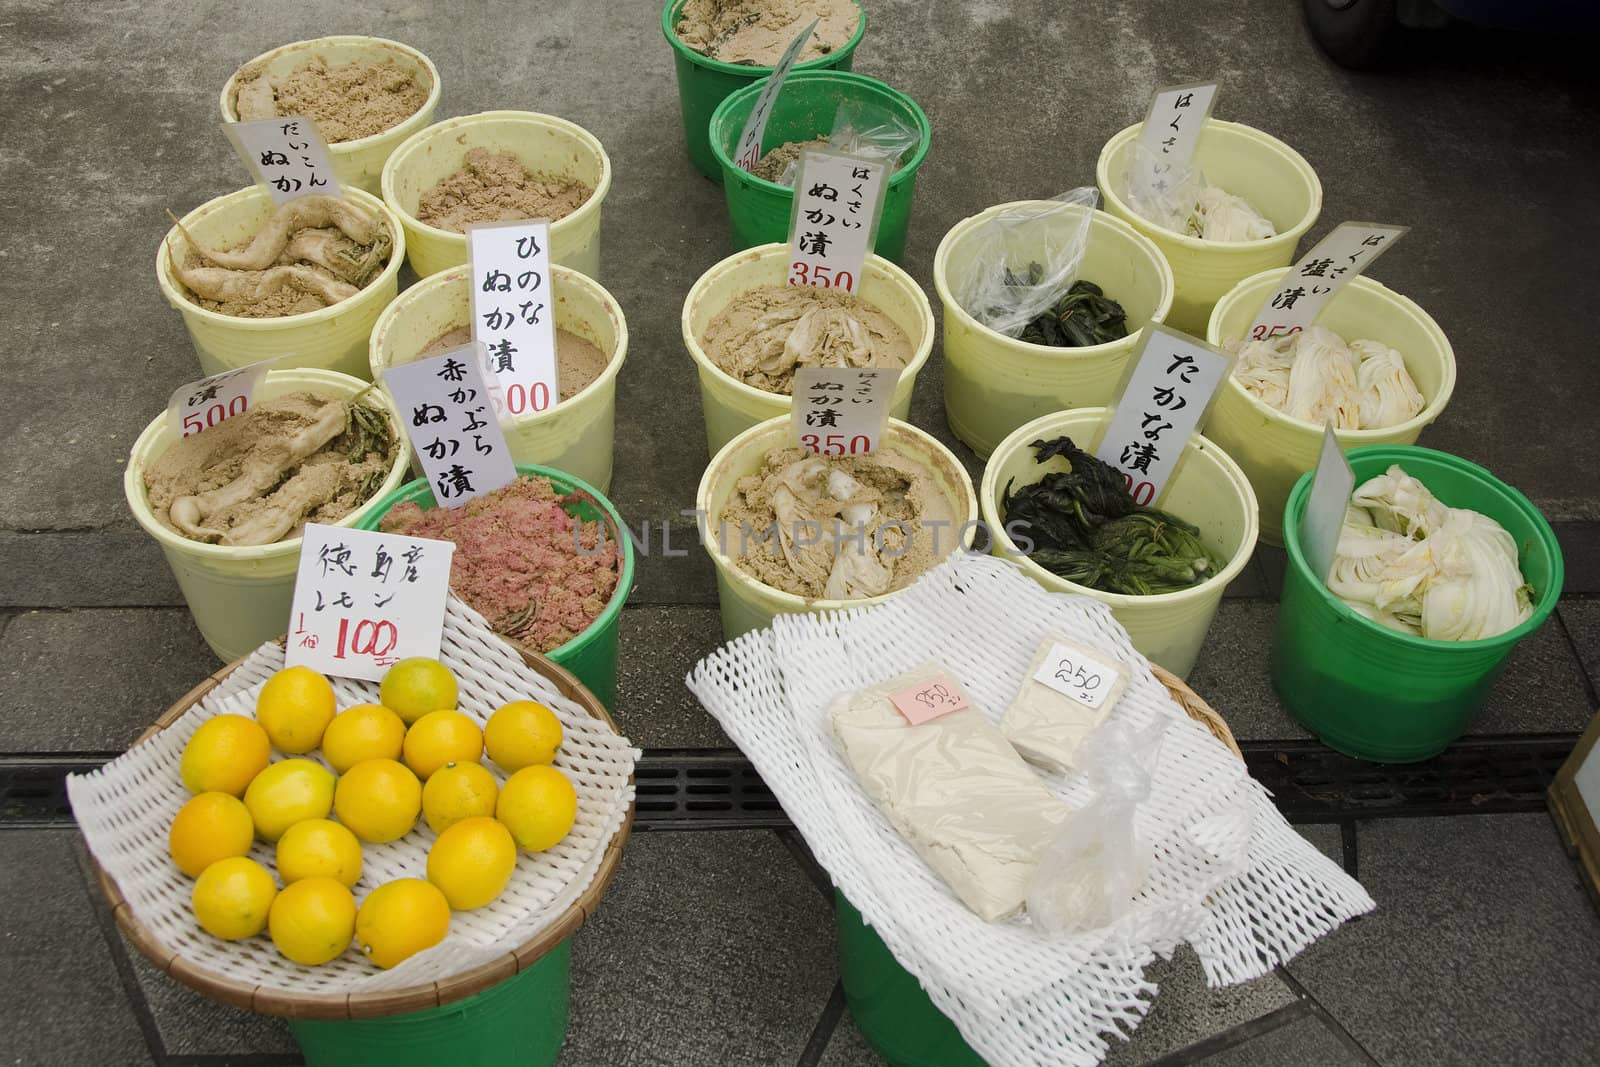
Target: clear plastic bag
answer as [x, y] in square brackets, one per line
[867, 133]
[1023, 260]
[1164, 197]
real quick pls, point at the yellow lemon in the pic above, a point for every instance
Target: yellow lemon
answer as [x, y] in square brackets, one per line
[378, 799]
[232, 897]
[458, 791]
[413, 687]
[521, 734]
[319, 848]
[286, 793]
[401, 918]
[472, 861]
[539, 806]
[224, 754]
[295, 707]
[313, 920]
[441, 737]
[211, 827]
[366, 731]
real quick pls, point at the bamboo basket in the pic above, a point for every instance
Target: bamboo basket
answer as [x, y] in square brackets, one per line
[1196, 708]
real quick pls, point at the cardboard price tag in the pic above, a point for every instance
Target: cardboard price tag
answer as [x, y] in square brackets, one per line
[287, 155]
[928, 699]
[1323, 519]
[203, 404]
[841, 411]
[363, 600]
[1171, 383]
[1171, 132]
[1076, 673]
[834, 224]
[513, 312]
[1320, 274]
[447, 413]
[749, 153]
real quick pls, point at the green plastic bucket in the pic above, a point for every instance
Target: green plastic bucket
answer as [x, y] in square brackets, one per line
[520, 1021]
[703, 83]
[1378, 694]
[892, 1012]
[759, 210]
[592, 655]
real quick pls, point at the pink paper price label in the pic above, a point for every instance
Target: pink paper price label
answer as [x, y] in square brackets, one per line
[928, 699]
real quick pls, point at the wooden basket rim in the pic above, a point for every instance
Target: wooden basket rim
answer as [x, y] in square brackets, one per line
[1196, 708]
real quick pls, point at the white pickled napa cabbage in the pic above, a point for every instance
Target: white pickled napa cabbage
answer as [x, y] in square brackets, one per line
[1388, 395]
[1315, 376]
[1218, 215]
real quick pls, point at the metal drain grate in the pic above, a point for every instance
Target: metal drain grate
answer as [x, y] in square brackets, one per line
[33, 789]
[700, 790]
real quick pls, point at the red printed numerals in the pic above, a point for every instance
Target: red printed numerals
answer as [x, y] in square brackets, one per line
[820, 276]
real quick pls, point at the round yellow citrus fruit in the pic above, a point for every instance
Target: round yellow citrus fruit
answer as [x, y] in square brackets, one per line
[211, 827]
[319, 848]
[286, 793]
[441, 737]
[366, 731]
[401, 918]
[224, 754]
[458, 791]
[539, 806]
[378, 799]
[232, 897]
[313, 920]
[521, 734]
[295, 707]
[472, 861]
[413, 687]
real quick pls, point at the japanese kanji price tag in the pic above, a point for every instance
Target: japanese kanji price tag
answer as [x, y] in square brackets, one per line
[201, 405]
[1077, 673]
[1320, 274]
[1171, 131]
[448, 415]
[513, 313]
[834, 224]
[841, 411]
[286, 155]
[1323, 519]
[749, 153]
[929, 699]
[363, 600]
[1167, 396]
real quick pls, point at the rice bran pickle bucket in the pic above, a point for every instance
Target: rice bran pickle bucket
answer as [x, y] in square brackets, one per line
[543, 143]
[748, 604]
[1208, 490]
[1245, 162]
[592, 655]
[331, 338]
[1274, 449]
[359, 162]
[994, 383]
[703, 83]
[240, 595]
[574, 435]
[759, 210]
[1376, 693]
[732, 407]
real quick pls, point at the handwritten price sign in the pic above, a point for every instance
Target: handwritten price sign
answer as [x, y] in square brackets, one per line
[203, 404]
[928, 699]
[1074, 673]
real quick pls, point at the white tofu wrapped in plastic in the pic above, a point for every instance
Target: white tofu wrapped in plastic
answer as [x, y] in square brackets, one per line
[1045, 724]
[954, 789]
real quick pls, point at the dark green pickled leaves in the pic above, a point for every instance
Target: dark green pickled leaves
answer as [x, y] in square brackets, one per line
[1086, 528]
[1083, 316]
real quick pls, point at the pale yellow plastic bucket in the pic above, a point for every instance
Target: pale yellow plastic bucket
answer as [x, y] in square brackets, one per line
[994, 383]
[1208, 491]
[574, 436]
[732, 407]
[748, 604]
[358, 163]
[543, 143]
[1246, 162]
[240, 596]
[330, 338]
[1274, 449]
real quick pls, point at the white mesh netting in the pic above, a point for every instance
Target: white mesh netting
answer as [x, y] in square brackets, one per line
[1230, 876]
[126, 807]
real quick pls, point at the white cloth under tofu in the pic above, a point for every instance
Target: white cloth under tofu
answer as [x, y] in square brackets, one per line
[954, 789]
[1045, 725]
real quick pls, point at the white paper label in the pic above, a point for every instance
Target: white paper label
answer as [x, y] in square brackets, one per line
[749, 153]
[203, 404]
[287, 155]
[363, 600]
[837, 201]
[1171, 132]
[447, 413]
[841, 411]
[513, 313]
[1320, 274]
[1072, 672]
[1169, 392]
[1323, 518]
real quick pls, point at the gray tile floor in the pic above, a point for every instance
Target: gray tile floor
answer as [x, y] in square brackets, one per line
[717, 948]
